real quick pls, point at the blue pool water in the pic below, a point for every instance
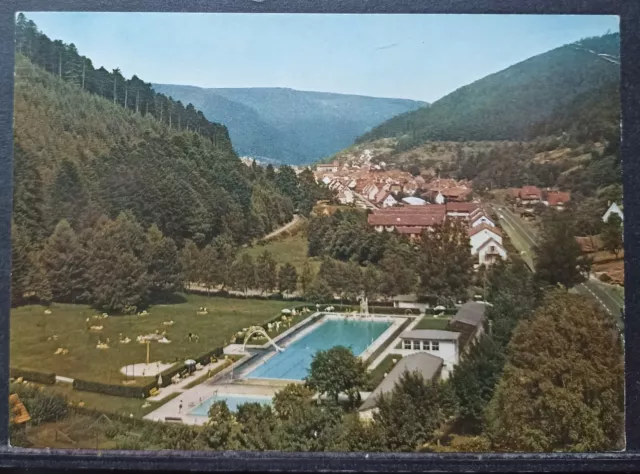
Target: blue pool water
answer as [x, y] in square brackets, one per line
[294, 362]
[232, 402]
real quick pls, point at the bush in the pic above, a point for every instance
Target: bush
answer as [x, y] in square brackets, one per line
[604, 277]
[42, 406]
[37, 376]
[115, 390]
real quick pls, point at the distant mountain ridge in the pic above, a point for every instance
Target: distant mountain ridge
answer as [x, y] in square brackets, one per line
[288, 125]
[506, 104]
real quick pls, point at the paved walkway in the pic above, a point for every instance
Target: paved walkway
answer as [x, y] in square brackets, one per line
[181, 386]
[280, 230]
[391, 348]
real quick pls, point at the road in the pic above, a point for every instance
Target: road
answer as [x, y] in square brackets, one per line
[523, 238]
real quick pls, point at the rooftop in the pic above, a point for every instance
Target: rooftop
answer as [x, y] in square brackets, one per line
[472, 313]
[432, 334]
[423, 362]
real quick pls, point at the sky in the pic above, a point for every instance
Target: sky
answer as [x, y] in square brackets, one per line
[420, 57]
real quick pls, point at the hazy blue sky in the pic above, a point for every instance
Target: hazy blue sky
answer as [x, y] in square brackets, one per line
[411, 56]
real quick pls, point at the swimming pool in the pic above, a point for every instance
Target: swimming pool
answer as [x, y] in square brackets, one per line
[294, 362]
[232, 402]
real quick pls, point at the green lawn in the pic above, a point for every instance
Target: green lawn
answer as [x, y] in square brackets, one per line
[32, 331]
[433, 323]
[107, 403]
[289, 249]
[377, 374]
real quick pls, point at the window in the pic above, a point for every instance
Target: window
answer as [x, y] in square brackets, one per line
[406, 344]
[416, 345]
[426, 345]
[492, 248]
[435, 346]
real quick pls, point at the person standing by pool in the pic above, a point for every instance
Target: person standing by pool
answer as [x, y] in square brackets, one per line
[180, 407]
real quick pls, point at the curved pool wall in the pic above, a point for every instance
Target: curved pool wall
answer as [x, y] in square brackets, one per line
[293, 364]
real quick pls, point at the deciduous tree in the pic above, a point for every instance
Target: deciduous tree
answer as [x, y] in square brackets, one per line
[336, 371]
[287, 278]
[563, 384]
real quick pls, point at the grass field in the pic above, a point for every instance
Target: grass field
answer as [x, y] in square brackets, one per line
[432, 323]
[33, 346]
[377, 374]
[288, 249]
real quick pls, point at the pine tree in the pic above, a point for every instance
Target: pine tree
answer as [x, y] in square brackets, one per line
[164, 272]
[266, 272]
[190, 262]
[445, 263]
[244, 273]
[21, 268]
[306, 277]
[64, 262]
[117, 275]
[287, 278]
[558, 257]
[612, 235]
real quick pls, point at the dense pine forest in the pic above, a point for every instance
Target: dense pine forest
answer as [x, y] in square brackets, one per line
[93, 150]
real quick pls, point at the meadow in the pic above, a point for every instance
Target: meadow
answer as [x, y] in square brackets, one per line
[36, 336]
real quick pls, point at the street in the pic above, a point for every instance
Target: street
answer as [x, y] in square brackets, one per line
[523, 238]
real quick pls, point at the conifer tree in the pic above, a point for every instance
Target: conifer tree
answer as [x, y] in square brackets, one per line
[164, 272]
[287, 278]
[64, 262]
[266, 272]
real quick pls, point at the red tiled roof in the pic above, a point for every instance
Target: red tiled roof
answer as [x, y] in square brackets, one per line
[461, 206]
[530, 191]
[557, 197]
[474, 230]
[456, 192]
[405, 219]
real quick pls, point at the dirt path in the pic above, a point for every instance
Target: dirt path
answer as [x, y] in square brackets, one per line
[280, 230]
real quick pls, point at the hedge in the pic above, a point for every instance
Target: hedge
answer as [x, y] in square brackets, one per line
[127, 391]
[33, 375]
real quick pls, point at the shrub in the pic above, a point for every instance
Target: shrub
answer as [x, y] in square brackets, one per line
[115, 390]
[604, 277]
[42, 406]
[37, 376]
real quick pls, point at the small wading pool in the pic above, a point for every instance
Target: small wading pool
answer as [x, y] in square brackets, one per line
[294, 362]
[232, 402]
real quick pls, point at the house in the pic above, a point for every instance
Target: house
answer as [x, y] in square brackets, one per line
[326, 180]
[480, 218]
[481, 233]
[408, 220]
[328, 167]
[346, 196]
[469, 322]
[490, 252]
[370, 191]
[410, 187]
[613, 209]
[557, 199]
[530, 195]
[385, 199]
[395, 188]
[414, 201]
[429, 366]
[443, 344]
[410, 302]
[439, 198]
[460, 209]
[456, 194]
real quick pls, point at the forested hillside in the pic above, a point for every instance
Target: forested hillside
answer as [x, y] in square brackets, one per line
[93, 174]
[287, 125]
[504, 105]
